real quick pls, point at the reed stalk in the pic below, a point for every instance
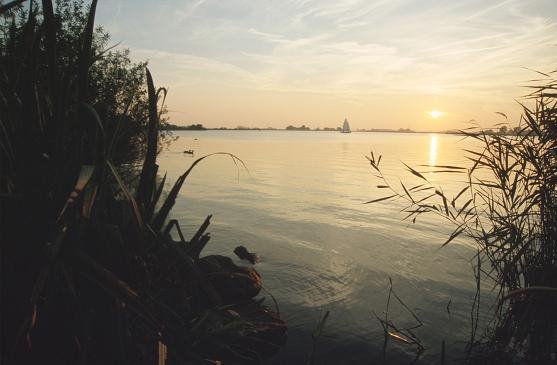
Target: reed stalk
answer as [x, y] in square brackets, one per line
[509, 209]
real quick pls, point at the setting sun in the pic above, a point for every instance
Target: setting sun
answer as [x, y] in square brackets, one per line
[435, 114]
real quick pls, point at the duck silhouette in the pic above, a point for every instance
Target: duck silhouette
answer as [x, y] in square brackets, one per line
[244, 254]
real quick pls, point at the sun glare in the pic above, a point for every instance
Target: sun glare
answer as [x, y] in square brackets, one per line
[432, 150]
[435, 114]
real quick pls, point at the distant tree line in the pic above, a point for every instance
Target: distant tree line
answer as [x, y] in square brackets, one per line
[191, 127]
[501, 131]
[200, 127]
[301, 128]
[506, 131]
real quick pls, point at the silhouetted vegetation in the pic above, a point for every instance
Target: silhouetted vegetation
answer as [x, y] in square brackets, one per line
[89, 271]
[509, 208]
[191, 127]
[300, 128]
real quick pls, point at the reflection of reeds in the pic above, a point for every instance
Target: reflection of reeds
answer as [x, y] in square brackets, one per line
[315, 336]
[90, 273]
[509, 208]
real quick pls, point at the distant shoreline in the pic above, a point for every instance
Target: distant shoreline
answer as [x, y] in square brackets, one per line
[199, 127]
[311, 130]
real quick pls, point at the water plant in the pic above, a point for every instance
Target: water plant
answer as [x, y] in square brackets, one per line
[509, 209]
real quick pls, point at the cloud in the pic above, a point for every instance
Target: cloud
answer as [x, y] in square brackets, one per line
[350, 49]
[278, 38]
[183, 69]
[189, 9]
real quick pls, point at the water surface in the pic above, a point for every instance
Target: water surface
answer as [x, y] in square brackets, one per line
[300, 206]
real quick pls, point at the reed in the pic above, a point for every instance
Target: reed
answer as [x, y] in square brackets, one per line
[511, 215]
[404, 335]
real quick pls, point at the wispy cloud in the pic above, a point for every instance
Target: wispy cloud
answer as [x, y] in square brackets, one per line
[189, 9]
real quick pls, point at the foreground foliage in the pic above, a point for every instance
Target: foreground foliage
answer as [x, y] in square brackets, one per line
[90, 273]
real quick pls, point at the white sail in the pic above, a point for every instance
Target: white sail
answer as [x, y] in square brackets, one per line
[346, 126]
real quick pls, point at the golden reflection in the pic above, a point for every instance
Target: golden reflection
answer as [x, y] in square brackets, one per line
[432, 149]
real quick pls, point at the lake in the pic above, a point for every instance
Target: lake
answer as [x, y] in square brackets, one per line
[300, 206]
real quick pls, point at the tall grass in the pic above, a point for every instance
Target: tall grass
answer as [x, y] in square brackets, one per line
[90, 273]
[509, 208]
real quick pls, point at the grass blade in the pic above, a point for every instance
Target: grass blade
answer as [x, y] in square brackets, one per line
[148, 172]
[381, 199]
[163, 212]
[85, 56]
[127, 194]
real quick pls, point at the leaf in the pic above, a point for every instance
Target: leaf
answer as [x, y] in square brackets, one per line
[406, 191]
[416, 187]
[539, 72]
[85, 55]
[400, 338]
[415, 212]
[469, 212]
[50, 35]
[425, 198]
[84, 177]
[459, 194]
[447, 167]
[381, 199]
[503, 114]
[475, 153]
[99, 149]
[116, 287]
[426, 188]
[145, 187]
[464, 207]
[158, 193]
[127, 194]
[454, 235]
[446, 171]
[445, 204]
[158, 220]
[414, 172]
[162, 353]
[34, 317]
[88, 201]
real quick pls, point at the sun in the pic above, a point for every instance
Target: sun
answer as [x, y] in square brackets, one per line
[435, 114]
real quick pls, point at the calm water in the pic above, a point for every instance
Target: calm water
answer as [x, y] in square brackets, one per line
[300, 206]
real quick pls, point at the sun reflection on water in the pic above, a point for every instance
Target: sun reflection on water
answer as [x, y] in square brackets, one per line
[432, 150]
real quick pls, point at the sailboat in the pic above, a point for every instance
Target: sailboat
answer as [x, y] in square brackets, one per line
[345, 127]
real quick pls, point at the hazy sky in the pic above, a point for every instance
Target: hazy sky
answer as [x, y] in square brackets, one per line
[381, 63]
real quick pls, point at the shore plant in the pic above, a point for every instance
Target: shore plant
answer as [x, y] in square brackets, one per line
[89, 271]
[509, 209]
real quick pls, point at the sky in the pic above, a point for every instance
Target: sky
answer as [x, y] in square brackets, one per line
[380, 63]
